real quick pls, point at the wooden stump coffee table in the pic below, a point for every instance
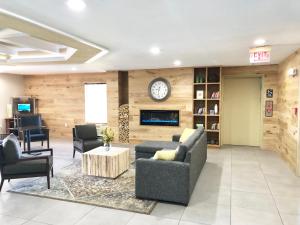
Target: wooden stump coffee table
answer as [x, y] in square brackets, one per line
[103, 163]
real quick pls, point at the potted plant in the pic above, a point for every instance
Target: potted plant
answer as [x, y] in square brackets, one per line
[108, 137]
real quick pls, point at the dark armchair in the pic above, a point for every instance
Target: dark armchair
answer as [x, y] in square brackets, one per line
[16, 164]
[85, 138]
[32, 130]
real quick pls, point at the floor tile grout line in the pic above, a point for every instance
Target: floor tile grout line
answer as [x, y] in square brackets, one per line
[133, 215]
[273, 198]
[88, 212]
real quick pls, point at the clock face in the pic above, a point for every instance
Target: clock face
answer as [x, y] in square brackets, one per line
[159, 89]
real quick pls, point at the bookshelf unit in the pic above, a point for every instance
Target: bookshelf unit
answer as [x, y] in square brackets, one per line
[207, 102]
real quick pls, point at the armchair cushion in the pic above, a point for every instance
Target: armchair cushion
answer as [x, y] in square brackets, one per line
[87, 145]
[11, 149]
[37, 137]
[86, 132]
[31, 121]
[30, 166]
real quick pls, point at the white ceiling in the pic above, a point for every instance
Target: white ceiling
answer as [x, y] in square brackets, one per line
[17, 47]
[197, 32]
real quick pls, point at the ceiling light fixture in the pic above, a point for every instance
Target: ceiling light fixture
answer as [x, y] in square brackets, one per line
[76, 5]
[177, 63]
[73, 68]
[155, 50]
[260, 42]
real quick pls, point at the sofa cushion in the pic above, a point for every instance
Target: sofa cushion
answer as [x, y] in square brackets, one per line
[86, 132]
[31, 166]
[187, 132]
[11, 148]
[153, 146]
[165, 154]
[188, 144]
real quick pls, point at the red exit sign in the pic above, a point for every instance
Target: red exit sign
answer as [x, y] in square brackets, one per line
[260, 55]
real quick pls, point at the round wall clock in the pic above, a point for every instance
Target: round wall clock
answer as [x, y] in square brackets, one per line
[159, 89]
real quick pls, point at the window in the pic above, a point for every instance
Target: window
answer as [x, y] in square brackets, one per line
[95, 103]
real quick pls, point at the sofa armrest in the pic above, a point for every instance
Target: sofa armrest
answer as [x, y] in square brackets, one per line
[176, 137]
[162, 180]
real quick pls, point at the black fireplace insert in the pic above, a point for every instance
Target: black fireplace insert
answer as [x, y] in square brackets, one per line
[159, 117]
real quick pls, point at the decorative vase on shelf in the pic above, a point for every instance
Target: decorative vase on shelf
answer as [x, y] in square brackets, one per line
[216, 109]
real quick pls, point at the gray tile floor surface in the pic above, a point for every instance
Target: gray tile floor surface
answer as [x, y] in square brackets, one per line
[238, 186]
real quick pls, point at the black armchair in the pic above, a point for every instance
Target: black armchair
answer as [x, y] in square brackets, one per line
[16, 164]
[30, 126]
[85, 138]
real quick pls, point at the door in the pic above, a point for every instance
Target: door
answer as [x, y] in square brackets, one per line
[241, 121]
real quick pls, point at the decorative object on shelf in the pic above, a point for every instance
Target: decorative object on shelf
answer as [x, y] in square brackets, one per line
[215, 95]
[198, 125]
[269, 108]
[108, 137]
[216, 108]
[211, 112]
[200, 78]
[201, 111]
[215, 126]
[200, 94]
[269, 93]
[159, 89]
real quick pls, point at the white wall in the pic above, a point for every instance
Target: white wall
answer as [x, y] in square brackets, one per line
[10, 86]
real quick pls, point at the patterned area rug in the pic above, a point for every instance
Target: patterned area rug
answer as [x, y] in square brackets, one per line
[71, 185]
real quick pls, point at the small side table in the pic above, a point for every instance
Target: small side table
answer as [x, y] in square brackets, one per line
[103, 163]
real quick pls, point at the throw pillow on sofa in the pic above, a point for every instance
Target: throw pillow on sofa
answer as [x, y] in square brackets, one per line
[187, 132]
[166, 154]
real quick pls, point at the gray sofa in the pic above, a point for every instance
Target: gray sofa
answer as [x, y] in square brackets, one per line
[171, 181]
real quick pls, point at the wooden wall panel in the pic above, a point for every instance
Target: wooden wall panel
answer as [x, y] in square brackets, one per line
[181, 81]
[288, 99]
[269, 73]
[61, 99]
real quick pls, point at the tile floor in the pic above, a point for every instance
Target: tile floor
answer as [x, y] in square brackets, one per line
[238, 186]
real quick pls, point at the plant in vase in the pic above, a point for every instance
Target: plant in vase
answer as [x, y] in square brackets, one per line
[108, 137]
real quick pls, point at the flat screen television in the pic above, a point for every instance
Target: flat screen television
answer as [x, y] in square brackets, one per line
[24, 107]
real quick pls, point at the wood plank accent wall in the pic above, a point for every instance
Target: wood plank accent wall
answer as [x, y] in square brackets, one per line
[288, 100]
[181, 81]
[269, 74]
[61, 99]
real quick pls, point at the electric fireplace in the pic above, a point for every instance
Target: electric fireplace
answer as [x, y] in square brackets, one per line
[159, 117]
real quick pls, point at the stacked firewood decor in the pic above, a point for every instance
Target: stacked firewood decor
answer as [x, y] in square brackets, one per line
[124, 123]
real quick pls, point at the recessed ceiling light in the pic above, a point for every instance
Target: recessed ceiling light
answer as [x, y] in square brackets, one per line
[260, 42]
[76, 5]
[177, 63]
[155, 50]
[73, 68]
